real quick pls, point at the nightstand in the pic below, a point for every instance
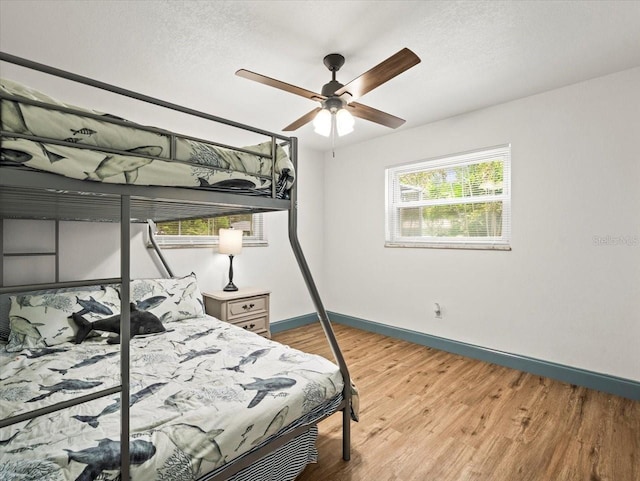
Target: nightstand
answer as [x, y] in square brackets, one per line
[247, 308]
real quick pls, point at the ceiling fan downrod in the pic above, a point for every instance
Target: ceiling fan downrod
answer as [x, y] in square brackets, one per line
[333, 62]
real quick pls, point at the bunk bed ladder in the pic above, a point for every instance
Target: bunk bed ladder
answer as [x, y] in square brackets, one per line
[323, 317]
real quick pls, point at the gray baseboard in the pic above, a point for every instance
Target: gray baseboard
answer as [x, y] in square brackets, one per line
[285, 325]
[580, 377]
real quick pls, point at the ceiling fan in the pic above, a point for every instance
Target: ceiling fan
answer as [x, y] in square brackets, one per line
[337, 101]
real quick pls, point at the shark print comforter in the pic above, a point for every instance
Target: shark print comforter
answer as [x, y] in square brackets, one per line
[139, 156]
[202, 394]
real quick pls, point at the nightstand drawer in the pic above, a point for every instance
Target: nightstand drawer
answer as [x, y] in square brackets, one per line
[258, 324]
[245, 307]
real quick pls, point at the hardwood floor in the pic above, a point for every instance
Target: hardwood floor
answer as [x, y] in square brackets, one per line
[430, 415]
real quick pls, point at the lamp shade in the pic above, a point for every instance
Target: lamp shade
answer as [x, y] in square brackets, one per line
[344, 122]
[322, 123]
[230, 241]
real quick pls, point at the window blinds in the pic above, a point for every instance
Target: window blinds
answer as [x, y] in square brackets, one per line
[204, 232]
[461, 200]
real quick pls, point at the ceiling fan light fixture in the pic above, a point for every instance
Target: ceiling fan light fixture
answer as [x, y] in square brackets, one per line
[322, 123]
[344, 122]
[334, 118]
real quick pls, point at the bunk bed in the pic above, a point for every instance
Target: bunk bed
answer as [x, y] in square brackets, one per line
[196, 399]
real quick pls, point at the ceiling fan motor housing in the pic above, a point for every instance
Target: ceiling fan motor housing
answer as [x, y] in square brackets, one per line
[329, 89]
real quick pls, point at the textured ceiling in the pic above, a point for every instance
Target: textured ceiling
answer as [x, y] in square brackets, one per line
[474, 53]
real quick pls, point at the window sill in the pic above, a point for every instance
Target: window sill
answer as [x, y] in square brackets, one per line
[428, 245]
[209, 245]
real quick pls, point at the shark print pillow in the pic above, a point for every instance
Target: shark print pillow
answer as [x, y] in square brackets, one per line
[169, 299]
[43, 320]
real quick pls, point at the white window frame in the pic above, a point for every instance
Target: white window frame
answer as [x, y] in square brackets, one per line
[259, 239]
[393, 202]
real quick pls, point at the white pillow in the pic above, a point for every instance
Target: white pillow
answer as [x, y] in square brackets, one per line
[169, 299]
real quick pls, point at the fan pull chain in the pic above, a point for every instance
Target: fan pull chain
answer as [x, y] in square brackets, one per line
[333, 134]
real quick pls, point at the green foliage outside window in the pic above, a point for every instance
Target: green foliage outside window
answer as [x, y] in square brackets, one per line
[207, 227]
[458, 193]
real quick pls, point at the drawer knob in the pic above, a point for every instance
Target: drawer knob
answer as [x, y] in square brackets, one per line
[250, 326]
[246, 307]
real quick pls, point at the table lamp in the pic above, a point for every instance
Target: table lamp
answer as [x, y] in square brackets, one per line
[230, 243]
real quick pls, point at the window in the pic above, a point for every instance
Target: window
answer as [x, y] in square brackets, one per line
[458, 201]
[204, 232]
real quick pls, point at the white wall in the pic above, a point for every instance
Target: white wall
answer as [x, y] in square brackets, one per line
[91, 250]
[556, 296]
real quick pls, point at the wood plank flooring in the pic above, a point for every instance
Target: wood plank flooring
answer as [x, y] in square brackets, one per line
[427, 415]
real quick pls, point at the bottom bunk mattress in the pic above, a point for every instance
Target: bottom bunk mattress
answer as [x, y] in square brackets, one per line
[203, 394]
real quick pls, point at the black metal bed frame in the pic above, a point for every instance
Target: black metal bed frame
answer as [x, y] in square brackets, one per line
[36, 195]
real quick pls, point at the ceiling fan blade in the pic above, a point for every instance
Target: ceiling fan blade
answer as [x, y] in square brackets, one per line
[369, 113]
[381, 73]
[305, 119]
[263, 79]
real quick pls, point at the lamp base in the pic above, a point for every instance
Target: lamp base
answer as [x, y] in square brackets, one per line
[231, 287]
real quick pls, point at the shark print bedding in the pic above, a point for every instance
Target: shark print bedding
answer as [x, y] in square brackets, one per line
[133, 154]
[203, 393]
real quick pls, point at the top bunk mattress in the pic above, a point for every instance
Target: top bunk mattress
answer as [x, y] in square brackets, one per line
[44, 134]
